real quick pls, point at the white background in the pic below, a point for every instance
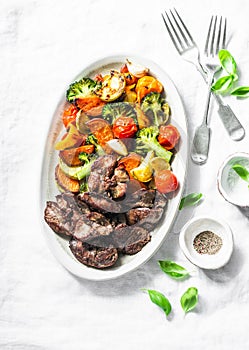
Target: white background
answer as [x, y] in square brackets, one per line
[44, 44]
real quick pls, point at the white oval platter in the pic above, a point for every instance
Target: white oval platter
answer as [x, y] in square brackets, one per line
[59, 245]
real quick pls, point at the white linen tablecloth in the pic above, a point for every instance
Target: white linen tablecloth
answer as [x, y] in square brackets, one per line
[44, 44]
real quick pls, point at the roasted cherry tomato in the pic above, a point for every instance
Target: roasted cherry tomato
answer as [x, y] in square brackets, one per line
[69, 115]
[165, 181]
[124, 127]
[168, 136]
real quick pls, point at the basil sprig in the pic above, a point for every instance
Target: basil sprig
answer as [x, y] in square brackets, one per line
[160, 300]
[241, 91]
[189, 299]
[242, 172]
[172, 269]
[228, 63]
[225, 83]
[190, 199]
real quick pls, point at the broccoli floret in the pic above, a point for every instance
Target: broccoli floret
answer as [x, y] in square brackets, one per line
[147, 141]
[154, 106]
[88, 160]
[81, 88]
[112, 111]
[92, 140]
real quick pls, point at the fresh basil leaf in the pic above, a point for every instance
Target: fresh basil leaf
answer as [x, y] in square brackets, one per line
[241, 171]
[235, 77]
[241, 91]
[189, 200]
[223, 84]
[189, 299]
[228, 62]
[160, 300]
[172, 269]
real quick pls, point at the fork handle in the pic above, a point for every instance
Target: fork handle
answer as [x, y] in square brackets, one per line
[210, 81]
[230, 121]
[201, 140]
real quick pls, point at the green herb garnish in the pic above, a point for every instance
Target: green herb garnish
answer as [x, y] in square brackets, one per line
[189, 299]
[241, 91]
[224, 84]
[160, 300]
[172, 269]
[228, 62]
[190, 199]
[242, 172]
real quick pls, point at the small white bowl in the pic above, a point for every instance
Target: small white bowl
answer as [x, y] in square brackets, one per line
[230, 185]
[201, 224]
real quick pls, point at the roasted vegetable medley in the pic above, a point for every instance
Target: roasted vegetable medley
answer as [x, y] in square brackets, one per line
[124, 112]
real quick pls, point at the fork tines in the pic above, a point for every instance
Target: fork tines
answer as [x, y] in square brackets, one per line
[177, 30]
[216, 39]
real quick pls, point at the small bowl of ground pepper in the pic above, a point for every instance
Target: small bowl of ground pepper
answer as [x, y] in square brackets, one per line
[207, 242]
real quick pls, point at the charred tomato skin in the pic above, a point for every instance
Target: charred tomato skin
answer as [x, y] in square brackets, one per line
[168, 136]
[166, 181]
[124, 127]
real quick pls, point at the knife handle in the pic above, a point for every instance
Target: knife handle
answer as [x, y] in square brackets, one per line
[230, 121]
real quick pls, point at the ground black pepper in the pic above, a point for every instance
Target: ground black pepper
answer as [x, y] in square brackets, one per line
[207, 242]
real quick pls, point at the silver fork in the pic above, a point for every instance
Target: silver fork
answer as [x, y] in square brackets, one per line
[216, 39]
[187, 48]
